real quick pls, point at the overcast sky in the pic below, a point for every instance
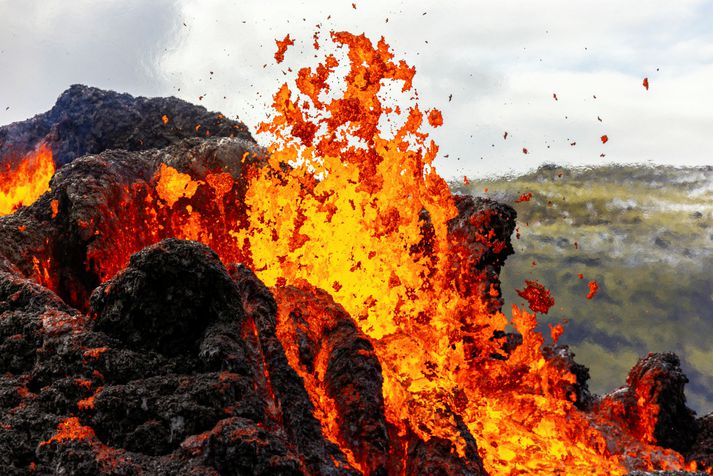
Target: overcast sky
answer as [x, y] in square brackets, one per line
[501, 60]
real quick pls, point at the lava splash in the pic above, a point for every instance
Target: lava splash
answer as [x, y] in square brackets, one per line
[349, 214]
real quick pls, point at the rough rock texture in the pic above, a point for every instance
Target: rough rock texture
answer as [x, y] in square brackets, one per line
[480, 238]
[702, 448]
[295, 407]
[172, 297]
[88, 121]
[167, 377]
[562, 357]
[107, 209]
[338, 362]
[657, 380]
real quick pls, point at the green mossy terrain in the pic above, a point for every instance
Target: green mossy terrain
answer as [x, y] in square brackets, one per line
[645, 234]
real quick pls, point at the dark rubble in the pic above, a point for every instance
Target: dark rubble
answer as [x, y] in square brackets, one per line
[192, 398]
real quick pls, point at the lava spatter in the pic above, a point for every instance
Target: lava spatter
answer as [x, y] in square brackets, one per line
[352, 201]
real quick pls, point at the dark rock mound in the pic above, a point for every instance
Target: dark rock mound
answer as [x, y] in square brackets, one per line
[169, 379]
[168, 299]
[88, 120]
[660, 379]
[657, 381]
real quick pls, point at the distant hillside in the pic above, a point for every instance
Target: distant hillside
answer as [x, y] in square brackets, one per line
[645, 234]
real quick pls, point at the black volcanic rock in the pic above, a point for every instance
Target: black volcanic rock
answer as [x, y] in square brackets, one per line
[657, 379]
[88, 120]
[701, 450]
[168, 379]
[170, 298]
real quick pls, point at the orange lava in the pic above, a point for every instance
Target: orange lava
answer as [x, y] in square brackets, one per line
[23, 183]
[347, 217]
[282, 47]
[71, 429]
[349, 202]
[537, 296]
[593, 289]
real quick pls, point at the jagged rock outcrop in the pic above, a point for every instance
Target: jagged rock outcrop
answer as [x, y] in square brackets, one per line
[480, 240]
[562, 357]
[88, 120]
[295, 407]
[338, 364]
[653, 402]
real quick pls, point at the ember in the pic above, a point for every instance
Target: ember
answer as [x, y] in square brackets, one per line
[537, 296]
[71, 429]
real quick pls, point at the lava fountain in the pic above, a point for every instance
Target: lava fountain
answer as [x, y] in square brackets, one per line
[348, 215]
[348, 201]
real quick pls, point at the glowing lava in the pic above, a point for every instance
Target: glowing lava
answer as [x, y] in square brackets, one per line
[349, 202]
[23, 183]
[348, 216]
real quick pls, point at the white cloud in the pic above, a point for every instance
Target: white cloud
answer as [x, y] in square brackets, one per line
[502, 61]
[47, 45]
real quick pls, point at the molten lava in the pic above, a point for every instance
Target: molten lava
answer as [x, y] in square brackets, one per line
[71, 429]
[348, 216]
[23, 183]
[349, 202]
[537, 296]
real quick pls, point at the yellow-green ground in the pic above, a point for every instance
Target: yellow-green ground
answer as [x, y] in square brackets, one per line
[645, 234]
